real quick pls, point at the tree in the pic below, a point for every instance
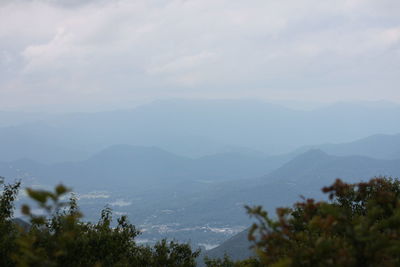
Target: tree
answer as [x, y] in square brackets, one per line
[359, 226]
[8, 229]
[227, 262]
[60, 238]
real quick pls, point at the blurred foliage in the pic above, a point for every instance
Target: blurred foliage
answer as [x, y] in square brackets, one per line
[227, 262]
[8, 229]
[359, 226]
[60, 238]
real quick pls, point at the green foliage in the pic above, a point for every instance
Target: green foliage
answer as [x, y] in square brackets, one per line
[8, 230]
[227, 262]
[60, 238]
[360, 226]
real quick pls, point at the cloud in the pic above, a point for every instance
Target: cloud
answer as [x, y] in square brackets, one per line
[86, 54]
[120, 203]
[94, 195]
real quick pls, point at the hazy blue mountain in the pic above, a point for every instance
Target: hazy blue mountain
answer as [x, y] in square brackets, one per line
[304, 175]
[235, 165]
[125, 166]
[315, 166]
[196, 185]
[196, 128]
[379, 146]
[237, 247]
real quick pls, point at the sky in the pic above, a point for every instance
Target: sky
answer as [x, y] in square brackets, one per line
[79, 55]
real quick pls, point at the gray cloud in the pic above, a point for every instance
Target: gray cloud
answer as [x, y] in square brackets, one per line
[115, 53]
[59, 3]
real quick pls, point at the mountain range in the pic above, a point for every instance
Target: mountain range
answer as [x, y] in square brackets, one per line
[193, 128]
[379, 146]
[201, 199]
[143, 166]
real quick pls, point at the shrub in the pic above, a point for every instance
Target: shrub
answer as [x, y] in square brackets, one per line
[360, 226]
[61, 238]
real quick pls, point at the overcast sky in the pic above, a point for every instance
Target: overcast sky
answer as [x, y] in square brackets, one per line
[105, 54]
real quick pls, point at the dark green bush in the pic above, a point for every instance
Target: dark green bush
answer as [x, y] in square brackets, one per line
[360, 226]
[60, 238]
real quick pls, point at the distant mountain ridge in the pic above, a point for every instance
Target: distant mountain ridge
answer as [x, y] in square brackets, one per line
[304, 175]
[380, 146]
[146, 165]
[195, 128]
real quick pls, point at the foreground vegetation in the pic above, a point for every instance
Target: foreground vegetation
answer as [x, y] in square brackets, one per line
[60, 238]
[359, 226]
